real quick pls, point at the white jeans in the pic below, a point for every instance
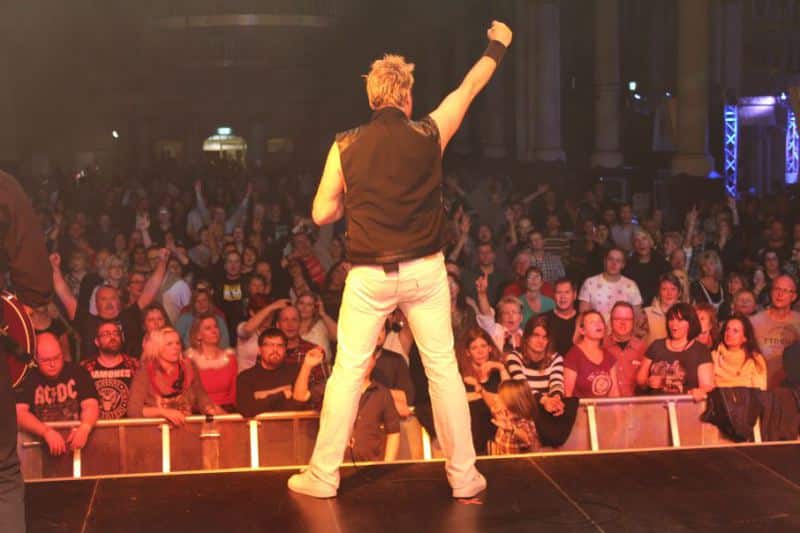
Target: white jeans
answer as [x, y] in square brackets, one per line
[421, 291]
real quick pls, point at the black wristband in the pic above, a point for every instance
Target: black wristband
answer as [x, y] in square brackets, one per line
[496, 50]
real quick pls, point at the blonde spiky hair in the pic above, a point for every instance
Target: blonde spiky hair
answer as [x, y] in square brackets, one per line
[389, 81]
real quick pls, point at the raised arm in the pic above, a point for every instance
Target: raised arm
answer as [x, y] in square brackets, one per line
[451, 111]
[329, 201]
[61, 288]
[153, 283]
[301, 391]
[238, 216]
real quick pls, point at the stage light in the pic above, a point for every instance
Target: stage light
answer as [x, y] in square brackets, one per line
[224, 131]
[783, 97]
[637, 96]
[115, 134]
[668, 94]
[632, 86]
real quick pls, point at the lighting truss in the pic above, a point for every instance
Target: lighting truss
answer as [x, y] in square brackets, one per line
[792, 149]
[732, 148]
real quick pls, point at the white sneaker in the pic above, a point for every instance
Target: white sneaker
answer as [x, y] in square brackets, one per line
[471, 489]
[306, 483]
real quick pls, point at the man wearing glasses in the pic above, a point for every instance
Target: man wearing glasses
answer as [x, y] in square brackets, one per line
[273, 384]
[55, 391]
[112, 371]
[777, 326]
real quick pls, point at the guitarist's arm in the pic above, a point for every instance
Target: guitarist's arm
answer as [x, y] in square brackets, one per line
[22, 241]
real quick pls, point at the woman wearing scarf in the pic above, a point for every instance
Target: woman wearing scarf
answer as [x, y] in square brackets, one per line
[168, 385]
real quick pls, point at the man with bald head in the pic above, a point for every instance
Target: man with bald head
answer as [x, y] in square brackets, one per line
[777, 327]
[56, 391]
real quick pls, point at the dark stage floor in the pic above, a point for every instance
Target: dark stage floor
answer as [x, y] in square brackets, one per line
[753, 488]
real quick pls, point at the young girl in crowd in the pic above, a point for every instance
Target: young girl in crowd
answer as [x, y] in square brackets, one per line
[516, 431]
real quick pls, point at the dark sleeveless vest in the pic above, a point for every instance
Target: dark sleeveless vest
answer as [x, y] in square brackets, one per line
[393, 205]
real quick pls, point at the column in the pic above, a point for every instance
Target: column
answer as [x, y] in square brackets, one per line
[693, 101]
[606, 85]
[524, 51]
[548, 82]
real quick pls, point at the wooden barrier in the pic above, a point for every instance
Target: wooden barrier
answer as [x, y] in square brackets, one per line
[149, 445]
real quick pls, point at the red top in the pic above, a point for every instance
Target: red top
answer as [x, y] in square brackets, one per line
[593, 381]
[220, 383]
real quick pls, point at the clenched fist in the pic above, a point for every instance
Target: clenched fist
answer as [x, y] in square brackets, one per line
[500, 32]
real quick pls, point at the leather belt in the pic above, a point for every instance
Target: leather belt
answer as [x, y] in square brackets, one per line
[391, 268]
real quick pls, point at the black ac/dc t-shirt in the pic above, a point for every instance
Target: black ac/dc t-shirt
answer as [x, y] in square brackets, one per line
[113, 385]
[57, 399]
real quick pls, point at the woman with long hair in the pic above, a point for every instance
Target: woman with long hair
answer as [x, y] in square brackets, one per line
[709, 325]
[315, 325]
[587, 367]
[539, 365]
[481, 367]
[678, 364]
[708, 288]
[217, 365]
[167, 384]
[737, 358]
[462, 313]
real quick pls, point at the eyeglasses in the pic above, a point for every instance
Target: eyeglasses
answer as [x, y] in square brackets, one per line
[105, 334]
[50, 360]
[781, 290]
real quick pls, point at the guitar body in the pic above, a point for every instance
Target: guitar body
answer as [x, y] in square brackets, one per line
[17, 337]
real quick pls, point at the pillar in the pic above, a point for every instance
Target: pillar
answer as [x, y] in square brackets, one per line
[607, 85]
[693, 99]
[548, 81]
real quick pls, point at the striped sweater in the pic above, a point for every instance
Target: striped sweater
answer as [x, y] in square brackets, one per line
[549, 380]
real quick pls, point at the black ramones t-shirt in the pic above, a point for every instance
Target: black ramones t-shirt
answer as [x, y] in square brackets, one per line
[113, 385]
[52, 400]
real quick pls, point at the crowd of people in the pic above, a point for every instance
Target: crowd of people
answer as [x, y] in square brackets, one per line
[204, 292]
